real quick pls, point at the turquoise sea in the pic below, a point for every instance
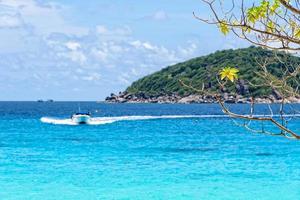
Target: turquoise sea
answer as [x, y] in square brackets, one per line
[140, 151]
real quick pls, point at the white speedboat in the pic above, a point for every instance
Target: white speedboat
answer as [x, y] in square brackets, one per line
[81, 118]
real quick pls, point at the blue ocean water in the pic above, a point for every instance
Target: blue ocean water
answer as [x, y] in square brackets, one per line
[190, 153]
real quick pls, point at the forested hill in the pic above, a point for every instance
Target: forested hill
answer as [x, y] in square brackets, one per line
[164, 86]
[204, 70]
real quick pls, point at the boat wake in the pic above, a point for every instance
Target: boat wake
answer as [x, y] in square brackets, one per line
[109, 120]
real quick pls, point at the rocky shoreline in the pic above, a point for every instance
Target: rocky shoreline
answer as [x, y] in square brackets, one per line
[124, 97]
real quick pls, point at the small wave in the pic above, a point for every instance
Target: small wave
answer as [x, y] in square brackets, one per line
[264, 154]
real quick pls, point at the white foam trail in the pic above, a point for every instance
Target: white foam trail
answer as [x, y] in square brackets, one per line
[108, 120]
[50, 120]
[105, 120]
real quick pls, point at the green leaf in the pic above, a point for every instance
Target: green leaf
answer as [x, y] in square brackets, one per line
[297, 32]
[224, 28]
[270, 27]
[275, 6]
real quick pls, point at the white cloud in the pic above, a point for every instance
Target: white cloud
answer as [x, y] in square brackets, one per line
[77, 56]
[92, 77]
[123, 80]
[160, 15]
[123, 31]
[61, 55]
[99, 54]
[73, 45]
[190, 50]
[118, 61]
[45, 18]
[101, 29]
[10, 21]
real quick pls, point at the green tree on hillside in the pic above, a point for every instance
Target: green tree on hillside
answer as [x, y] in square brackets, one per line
[204, 70]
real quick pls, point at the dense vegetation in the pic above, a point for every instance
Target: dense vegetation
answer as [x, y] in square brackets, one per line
[203, 70]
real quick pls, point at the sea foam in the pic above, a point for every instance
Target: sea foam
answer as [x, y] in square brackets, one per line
[108, 120]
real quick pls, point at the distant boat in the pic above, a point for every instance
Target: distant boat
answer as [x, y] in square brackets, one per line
[41, 100]
[81, 118]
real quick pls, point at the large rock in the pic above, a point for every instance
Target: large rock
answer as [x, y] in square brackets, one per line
[191, 99]
[293, 100]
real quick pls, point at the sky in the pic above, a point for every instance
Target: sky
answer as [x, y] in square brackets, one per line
[84, 50]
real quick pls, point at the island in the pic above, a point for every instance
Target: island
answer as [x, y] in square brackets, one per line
[164, 86]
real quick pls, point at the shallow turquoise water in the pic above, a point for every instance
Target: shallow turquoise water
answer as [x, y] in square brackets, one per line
[180, 158]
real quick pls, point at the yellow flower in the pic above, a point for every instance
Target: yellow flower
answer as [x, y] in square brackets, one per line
[229, 73]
